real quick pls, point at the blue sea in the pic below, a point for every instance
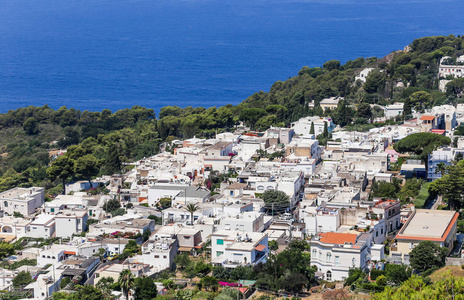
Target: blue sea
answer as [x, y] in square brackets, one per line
[96, 54]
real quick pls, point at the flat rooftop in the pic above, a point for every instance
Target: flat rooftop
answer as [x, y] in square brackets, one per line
[428, 224]
[17, 193]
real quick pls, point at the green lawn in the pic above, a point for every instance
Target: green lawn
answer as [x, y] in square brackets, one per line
[423, 196]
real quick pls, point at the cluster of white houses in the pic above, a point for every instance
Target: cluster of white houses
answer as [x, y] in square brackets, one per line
[328, 190]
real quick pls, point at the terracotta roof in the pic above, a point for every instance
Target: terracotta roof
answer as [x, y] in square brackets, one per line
[427, 118]
[438, 131]
[260, 247]
[338, 238]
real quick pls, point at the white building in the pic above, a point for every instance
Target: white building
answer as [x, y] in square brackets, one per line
[303, 125]
[70, 222]
[320, 219]
[334, 254]
[22, 200]
[42, 227]
[363, 74]
[159, 252]
[244, 222]
[393, 110]
[231, 249]
[180, 194]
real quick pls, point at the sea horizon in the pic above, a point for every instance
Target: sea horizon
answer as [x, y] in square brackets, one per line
[97, 54]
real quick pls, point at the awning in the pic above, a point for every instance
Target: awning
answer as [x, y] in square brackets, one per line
[199, 246]
[260, 247]
[185, 249]
[427, 118]
[70, 252]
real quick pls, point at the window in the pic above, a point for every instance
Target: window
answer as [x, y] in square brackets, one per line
[353, 262]
[219, 253]
[219, 242]
[157, 256]
[328, 257]
[329, 276]
[377, 233]
[381, 230]
[164, 256]
[411, 245]
[314, 253]
[5, 204]
[337, 260]
[187, 237]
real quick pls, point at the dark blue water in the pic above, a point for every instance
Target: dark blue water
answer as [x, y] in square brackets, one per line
[96, 54]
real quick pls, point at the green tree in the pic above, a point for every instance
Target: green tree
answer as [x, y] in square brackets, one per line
[126, 281]
[22, 279]
[62, 168]
[275, 200]
[31, 126]
[114, 162]
[343, 114]
[293, 282]
[273, 245]
[209, 283]
[229, 294]
[192, 208]
[87, 292]
[86, 167]
[183, 261]
[451, 185]
[375, 81]
[421, 100]
[325, 132]
[6, 249]
[364, 111]
[251, 116]
[331, 65]
[144, 288]
[311, 130]
[427, 255]
[111, 205]
[421, 144]
[104, 284]
[397, 274]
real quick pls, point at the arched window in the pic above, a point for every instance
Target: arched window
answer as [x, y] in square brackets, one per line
[260, 188]
[329, 276]
[5, 204]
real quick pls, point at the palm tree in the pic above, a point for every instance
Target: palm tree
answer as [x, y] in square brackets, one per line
[126, 281]
[191, 208]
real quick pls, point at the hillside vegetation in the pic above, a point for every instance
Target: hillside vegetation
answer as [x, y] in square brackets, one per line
[99, 142]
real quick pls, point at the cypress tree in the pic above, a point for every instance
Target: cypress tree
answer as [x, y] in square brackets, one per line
[311, 131]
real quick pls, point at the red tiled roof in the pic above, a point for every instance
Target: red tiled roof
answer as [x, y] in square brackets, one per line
[427, 118]
[338, 238]
[438, 131]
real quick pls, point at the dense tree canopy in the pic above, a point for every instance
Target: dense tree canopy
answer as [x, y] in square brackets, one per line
[421, 144]
[427, 255]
